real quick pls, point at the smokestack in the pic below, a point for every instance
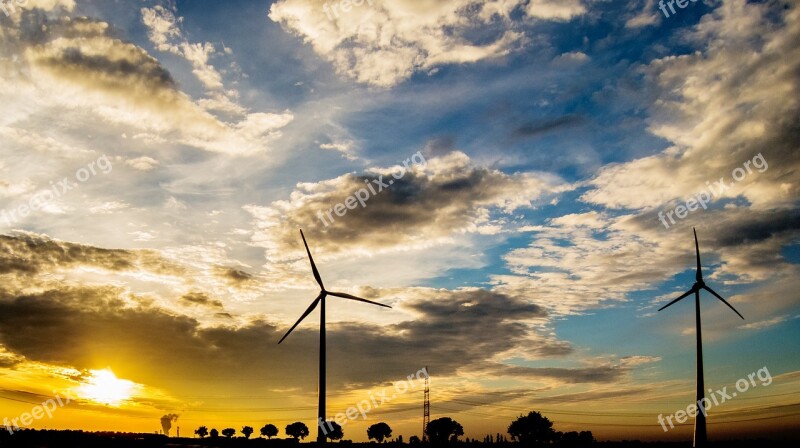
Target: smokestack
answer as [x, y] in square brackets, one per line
[166, 422]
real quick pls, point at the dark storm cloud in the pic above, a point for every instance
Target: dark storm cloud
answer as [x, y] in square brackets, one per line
[103, 67]
[755, 227]
[454, 331]
[77, 326]
[128, 64]
[450, 195]
[29, 255]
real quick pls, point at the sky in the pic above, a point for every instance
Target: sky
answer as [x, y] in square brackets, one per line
[518, 179]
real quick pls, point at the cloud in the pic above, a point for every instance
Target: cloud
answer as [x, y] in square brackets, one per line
[108, 207]
[198, 298]
[425, 207]
[561, 10]
[637, 360]
[78, 64]
[234, 276]
[345, 148]
[29, 254]
[760, 325]
[8, 359]
[385, 43]
[441, 321]
[719, 113]
[599, 374]
[648, 15]
[571, 59]
[142, 163]
[534, 129]
[164, 32]
[118, 323]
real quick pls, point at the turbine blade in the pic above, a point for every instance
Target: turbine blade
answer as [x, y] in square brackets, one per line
[313, 266]
[352, 297]
[679, 298]
[308, 311]
[699, 274]
[723, 300]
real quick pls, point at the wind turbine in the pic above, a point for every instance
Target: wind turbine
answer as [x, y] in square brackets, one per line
[700, 436]
[320, 300]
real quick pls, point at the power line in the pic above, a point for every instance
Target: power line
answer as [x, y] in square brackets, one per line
[610, 414]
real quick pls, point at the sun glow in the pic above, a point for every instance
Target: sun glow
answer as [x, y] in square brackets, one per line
[104, 387]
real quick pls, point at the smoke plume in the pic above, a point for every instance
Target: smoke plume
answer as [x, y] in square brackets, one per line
[166, 422]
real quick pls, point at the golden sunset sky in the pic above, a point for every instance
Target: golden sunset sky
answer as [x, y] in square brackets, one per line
[159, 157]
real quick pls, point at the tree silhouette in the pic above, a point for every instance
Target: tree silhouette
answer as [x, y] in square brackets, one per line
[442, 430]
[575, 439]
[335, 431]
[247, 431]
[413, 440]
[297, 430]
[228, 432]
[214, 433]
[532, 429]
[269, 431]
[201, 431]
[379, 432]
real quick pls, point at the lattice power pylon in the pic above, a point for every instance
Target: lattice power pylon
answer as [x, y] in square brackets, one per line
[426, 407]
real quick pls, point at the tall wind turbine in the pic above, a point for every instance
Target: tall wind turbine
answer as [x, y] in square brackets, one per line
[700, 438]
[320, 300]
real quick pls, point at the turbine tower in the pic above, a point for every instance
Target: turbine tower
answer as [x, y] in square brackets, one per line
[426, 406]
[700, 436]
[320, 300]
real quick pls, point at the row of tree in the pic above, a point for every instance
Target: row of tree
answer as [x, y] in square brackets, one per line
[298, 430]
[530, 429]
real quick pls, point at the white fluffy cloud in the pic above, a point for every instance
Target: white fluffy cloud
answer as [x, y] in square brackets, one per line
[733, 99]
[384, 43]
[719, 108]
[77, 64]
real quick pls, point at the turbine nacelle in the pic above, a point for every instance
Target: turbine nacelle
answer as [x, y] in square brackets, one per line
[699, 283]
[323, 292]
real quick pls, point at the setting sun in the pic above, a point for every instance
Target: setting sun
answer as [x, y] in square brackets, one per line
[104, 387]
